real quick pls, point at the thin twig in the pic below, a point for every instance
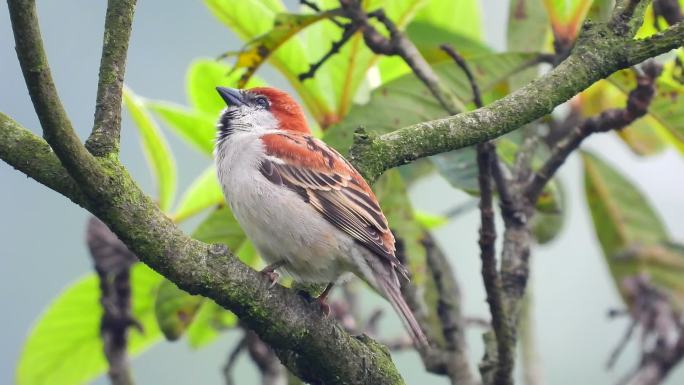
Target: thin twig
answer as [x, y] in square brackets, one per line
[486, 159]
[316, 8]
[104, 138]
[349, 30]
[398, 44]
[232, 359]
[613, 119]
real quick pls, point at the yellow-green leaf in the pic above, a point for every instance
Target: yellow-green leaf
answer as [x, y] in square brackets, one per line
[202, 78]
[156, 149]
[204, 192]
[257, 50]
[209, 321]
[631, 234]
[70, 327]
[195, 127]
[175, 309]
[567, 16]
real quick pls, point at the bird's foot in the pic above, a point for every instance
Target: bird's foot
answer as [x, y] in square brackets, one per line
[325, 308]
[270, 273]
[272, 277]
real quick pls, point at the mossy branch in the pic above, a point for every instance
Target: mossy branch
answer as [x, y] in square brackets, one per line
[106, 133]
[598, 53]
[312, 346]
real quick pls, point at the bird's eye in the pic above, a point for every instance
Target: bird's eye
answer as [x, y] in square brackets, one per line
[262, 101]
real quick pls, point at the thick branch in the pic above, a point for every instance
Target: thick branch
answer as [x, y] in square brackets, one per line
[305, 340]
[107, 126]
[31, 155]
[598, 54]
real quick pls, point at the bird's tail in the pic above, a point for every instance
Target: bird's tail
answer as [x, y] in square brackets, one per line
[389, 287]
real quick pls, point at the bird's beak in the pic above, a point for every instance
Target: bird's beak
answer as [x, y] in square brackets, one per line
[231, 96]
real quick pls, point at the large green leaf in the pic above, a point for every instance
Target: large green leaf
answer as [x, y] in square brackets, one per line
[632, 236]
[259, 49]
[64, 346]
[528, 25]
[566, 16]
[202, 78]
[194, 126]
[462, 17]
[209, 321]
[155, 147]
[250, 19]
[428, 38]
[345, 72]
[175, 309]
[203, 193]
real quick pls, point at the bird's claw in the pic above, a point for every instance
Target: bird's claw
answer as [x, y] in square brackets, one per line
[325, 308]
[272, 277]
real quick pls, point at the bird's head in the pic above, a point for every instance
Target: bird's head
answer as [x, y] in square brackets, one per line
[259, 109]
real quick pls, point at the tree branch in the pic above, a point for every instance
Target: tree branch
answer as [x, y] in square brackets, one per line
[31, 155]
[598, 54]
[613, 119]
[305, 341]
[399, 45]
[104, 138]
[57, 128]
[301, 336]
[487, 159]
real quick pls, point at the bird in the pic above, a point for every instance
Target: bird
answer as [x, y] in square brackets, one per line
[306, 209]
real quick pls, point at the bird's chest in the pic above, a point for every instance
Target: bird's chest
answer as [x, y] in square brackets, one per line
[278, 221]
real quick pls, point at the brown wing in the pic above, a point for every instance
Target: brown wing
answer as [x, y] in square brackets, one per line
[324, 179]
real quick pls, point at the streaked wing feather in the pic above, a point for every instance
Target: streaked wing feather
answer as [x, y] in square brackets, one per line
[332, 186]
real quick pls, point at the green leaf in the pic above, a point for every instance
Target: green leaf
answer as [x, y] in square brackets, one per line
[394, 201]
[632, 236]
[257, 50]
[204, 192]
[462, 17]
[202, 78]
[156, 149]
[428, 38]
[528, 25]
[220, 227]
[175, 309]
[250, 19]
[566, 16]
[70, 328]
[549, 217]
[342, 76]
[193, 126]
[210, 320]
[429, 221]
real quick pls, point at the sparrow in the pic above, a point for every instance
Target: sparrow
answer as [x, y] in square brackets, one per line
[305, 208]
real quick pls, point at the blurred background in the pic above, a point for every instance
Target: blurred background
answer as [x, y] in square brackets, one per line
[42, 246]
